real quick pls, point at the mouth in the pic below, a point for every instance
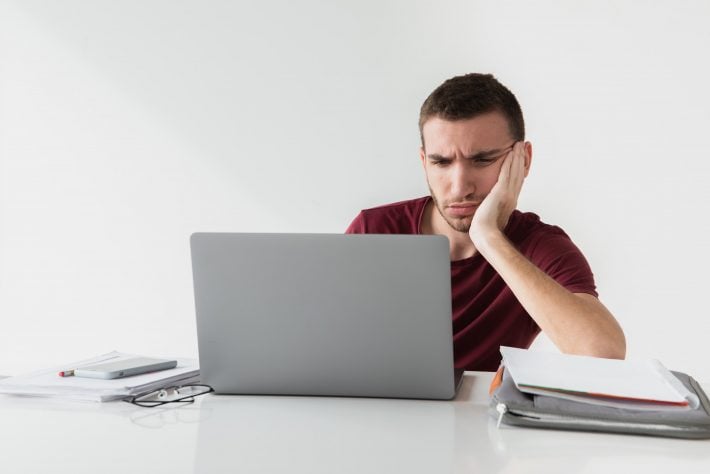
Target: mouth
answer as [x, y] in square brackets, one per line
[462, 210]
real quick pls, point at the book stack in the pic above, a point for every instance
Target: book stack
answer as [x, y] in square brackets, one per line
[551, 390]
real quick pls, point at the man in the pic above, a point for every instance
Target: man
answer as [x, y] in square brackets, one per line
[511, 274]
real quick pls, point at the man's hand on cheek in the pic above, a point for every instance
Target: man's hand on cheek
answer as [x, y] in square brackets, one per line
[492, 215]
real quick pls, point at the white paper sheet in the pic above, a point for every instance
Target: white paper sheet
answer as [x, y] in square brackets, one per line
[592, 378]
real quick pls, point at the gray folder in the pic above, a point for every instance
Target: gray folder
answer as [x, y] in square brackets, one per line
[510, 406]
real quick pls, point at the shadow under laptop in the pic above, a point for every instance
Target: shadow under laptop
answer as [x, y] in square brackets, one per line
[322, 434]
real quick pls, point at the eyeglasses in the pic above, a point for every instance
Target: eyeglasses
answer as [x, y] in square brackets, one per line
[177, 394]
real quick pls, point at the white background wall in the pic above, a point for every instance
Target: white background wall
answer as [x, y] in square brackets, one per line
[126, 126]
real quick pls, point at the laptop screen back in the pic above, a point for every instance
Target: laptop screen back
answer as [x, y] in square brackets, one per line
[324, 314]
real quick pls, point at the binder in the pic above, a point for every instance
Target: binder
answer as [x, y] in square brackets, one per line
[512, 407]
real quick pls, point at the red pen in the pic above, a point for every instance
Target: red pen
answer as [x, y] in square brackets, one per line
[66, 373]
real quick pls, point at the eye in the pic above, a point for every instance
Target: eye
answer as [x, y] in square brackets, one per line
[439, 163]
[482, 162]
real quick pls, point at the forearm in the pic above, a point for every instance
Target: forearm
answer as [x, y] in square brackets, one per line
[575, 323]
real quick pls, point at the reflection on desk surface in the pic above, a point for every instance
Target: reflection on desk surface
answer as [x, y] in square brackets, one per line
[316, 434]
[357, 435]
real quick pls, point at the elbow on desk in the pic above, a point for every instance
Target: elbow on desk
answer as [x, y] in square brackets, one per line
[606, 348]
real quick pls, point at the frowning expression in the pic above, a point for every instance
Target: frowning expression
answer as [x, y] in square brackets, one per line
[462, 160]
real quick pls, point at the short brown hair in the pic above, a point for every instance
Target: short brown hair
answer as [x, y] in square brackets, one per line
[471, 95]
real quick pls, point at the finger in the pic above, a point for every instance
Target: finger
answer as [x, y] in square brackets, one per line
[509, 168]
[518, 166]
[513, 177]
[522, 161]
[505, 169]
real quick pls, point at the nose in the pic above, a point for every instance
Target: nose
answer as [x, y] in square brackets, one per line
[462, 183]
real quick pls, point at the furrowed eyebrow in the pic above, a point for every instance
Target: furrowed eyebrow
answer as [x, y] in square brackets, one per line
[477, 156]
[488, 153]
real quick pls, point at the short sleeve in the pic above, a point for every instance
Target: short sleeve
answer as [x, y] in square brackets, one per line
[357, 226]
[556, 255]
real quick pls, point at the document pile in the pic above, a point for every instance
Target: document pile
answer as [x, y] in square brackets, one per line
[48, 383]
[549, 390]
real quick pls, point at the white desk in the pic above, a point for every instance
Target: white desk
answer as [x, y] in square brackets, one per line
[315, 435]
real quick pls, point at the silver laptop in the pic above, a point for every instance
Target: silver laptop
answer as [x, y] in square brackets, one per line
[324, 314]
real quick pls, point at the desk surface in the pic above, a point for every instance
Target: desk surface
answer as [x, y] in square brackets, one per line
[315, 435]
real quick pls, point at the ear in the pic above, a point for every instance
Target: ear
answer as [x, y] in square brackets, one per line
[528, 157]
[422, 157]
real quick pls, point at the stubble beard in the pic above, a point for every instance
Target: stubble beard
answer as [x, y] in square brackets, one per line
[459, 225]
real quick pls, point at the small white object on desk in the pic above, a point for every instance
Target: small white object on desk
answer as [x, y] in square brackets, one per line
[123, 368]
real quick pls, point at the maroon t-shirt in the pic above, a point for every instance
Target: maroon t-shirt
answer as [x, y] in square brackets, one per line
[486, 314]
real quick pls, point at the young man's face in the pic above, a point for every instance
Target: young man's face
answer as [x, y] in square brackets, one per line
[462, 160]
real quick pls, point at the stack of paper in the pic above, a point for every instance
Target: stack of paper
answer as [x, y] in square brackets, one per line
[47, 383]
[637, 384]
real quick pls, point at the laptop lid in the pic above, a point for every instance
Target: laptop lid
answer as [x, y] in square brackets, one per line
[324, 314]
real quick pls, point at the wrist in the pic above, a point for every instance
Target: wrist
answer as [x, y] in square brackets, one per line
[487, 239]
